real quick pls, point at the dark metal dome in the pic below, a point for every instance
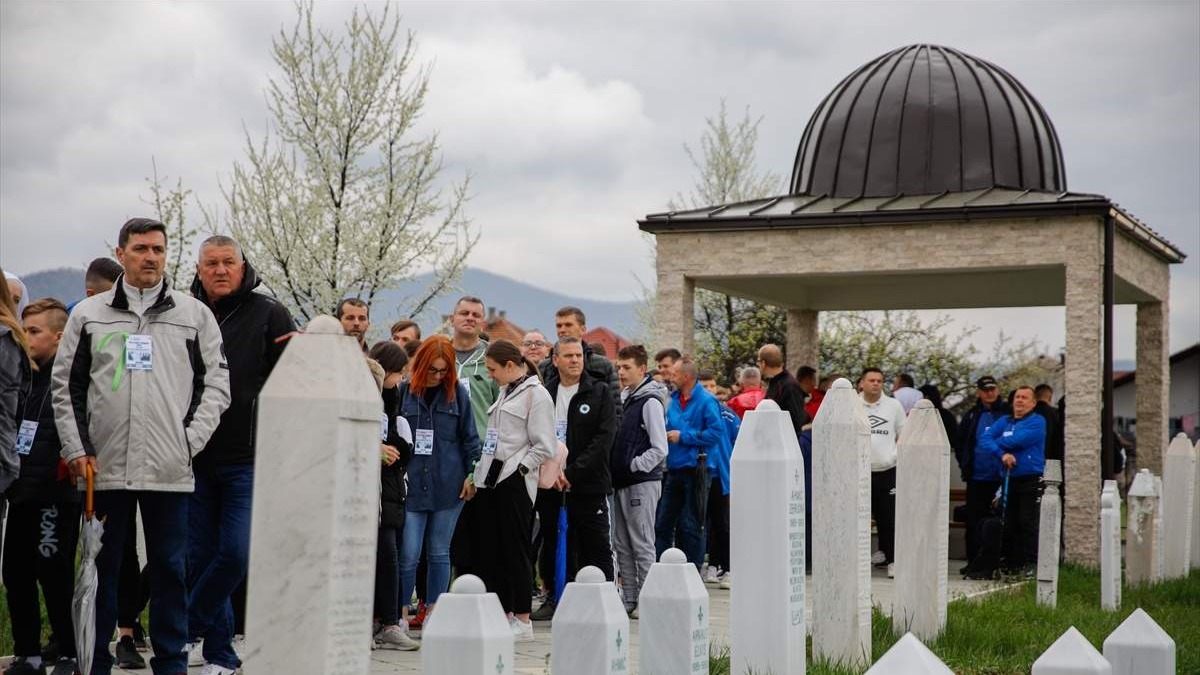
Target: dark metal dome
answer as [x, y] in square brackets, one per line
[925, 119]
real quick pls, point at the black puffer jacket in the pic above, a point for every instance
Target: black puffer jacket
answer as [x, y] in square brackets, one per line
[391, 479]
[591, 429]
[38, 482]
[251, 323]
[599, 367]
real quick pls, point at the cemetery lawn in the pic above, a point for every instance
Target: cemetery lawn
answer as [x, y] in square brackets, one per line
[1004, 632]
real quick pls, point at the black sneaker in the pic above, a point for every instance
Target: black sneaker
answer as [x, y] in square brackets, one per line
[980, 575]
[127, 654]
[50, 650]
[543, 613]
[65, 666]
[139, 638]
[21, 666]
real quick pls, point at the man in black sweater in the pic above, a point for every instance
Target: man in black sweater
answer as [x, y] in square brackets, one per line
[782, 387]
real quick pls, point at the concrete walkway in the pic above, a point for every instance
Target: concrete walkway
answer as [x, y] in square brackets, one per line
[533, 658]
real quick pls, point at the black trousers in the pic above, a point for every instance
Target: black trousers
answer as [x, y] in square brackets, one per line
[133, 584]
[718, 526]
[589, 539]
[546, 506]
[979, 507]
[502, 557]
[387, 576]
[883, 509]
[1021, 521]
[39, 549]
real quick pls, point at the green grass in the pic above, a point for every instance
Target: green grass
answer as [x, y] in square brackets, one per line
[1005, 632]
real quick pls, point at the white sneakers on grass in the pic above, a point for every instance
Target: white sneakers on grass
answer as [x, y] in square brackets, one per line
[711, 574]
[395, 637]
[522, 630]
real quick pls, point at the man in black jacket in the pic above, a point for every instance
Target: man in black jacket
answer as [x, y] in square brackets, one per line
[982, 478]
[254, 328]
[43, 516]
[569, 322]
[586, 421]
[1044, 394]
[782, 387]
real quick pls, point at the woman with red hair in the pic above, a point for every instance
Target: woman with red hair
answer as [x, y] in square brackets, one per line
[445, 450]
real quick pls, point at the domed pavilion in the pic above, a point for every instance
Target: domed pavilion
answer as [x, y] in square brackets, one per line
[932, 179]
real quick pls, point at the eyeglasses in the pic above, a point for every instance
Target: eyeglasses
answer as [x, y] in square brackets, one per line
[535, 343]
[437, 371]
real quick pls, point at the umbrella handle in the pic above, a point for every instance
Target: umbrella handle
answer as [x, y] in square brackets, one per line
[89, 505]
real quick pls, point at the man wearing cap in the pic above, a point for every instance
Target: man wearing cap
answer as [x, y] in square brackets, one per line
[981, 472]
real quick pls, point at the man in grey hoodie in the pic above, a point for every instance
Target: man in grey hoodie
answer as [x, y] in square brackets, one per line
[637, 468]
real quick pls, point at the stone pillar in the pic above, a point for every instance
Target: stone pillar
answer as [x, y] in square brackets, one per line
[675, 311]
[1081, 455]
[1153, 384]
[803, 339]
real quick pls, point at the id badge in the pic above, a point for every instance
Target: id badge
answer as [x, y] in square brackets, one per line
[139, 352]
[560, 430]
[423, 444]
[490, 440]
[25, 436]
[383, 420]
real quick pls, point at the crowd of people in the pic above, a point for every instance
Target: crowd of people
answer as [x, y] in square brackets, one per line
[488, 450]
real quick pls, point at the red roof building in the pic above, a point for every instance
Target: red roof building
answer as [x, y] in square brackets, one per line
[608, 340]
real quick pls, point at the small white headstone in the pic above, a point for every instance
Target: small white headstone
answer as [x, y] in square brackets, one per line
[909, 657]
[673, 618]
[1110, 546]
[1071, 654]
[1049, 530]
[767, 545]
[1196, 510]
[316, 510]
[841, 607]
[469, 633]
[590, 633]
[922, 527]
[1140, 647]
[1179, 478]
[1142, 522]
[1160, 530]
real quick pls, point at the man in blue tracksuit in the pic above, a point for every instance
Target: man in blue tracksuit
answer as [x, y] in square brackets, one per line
[696, 441]
[1018, 442]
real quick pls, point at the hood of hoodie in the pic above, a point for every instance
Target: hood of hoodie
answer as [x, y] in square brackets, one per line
[650, 387]
[250, 281]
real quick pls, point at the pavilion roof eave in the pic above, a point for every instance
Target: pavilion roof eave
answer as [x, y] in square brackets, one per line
[798, 211]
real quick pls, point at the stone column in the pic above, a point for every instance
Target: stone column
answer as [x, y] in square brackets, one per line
[1081, 459]
[1153, 384]
[803, 339]
[675, 311]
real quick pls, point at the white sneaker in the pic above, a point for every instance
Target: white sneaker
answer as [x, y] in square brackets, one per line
[727, 580]
[395, 637]
[878, 558]
[214, 669]
[195, 653]
[522, 630]
[712, 574]
[239, 645]
[891, 570]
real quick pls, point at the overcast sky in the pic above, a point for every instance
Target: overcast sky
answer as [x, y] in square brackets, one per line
[572, 117]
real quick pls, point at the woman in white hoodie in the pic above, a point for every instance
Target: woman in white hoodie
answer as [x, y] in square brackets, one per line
[519, 437]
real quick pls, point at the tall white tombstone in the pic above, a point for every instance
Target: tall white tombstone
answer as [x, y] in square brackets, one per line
[1141, 531]
[1110, 546]
[469, 634]
[1160, 530]
[1071, 654]
[590, 633]
[673, 618]
[1196, 509]
[316, 510]
[1179, 483]
[767, 545]
[841, 459]
[1049, 532]
[1139, 646]
[922, 525]
[909, 657]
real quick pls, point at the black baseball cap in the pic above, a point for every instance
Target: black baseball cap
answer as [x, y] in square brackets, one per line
[986, 382]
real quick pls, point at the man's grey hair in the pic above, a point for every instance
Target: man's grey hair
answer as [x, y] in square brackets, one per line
[222, 240]
[750, 374]
[687, 366]
[566, 341]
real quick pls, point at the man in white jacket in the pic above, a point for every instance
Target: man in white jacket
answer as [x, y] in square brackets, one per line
[885, 416]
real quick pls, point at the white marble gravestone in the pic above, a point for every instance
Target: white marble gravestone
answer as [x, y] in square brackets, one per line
[590, 633]
[922, 526]
[1140, 647]
[1196, 510]
[1049, 533]
[767, 545]
[1160, 530]
[316, 510]
[1179, 478]
[1071, 654]
[1141, 530]
[909, 657]
[841, 606]
[673, 618]
[1110, 546]
[469, 634]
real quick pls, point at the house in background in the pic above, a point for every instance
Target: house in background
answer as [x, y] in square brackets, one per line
[610, 341]
[1184, 414]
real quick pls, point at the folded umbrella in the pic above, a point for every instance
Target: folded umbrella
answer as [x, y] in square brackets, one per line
[560, 551]
[83, 605]
[700, 488]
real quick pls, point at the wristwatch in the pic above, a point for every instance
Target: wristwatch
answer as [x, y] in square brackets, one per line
[523, 469]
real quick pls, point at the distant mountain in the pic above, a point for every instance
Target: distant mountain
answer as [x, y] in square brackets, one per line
[524, 304]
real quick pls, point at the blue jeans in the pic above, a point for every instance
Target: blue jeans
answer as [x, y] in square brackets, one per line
[435, 528]
[218, 554]
[679, 513]
[165, 524]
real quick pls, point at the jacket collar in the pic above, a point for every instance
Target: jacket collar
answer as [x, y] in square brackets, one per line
[162, 303]
[527, 383]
